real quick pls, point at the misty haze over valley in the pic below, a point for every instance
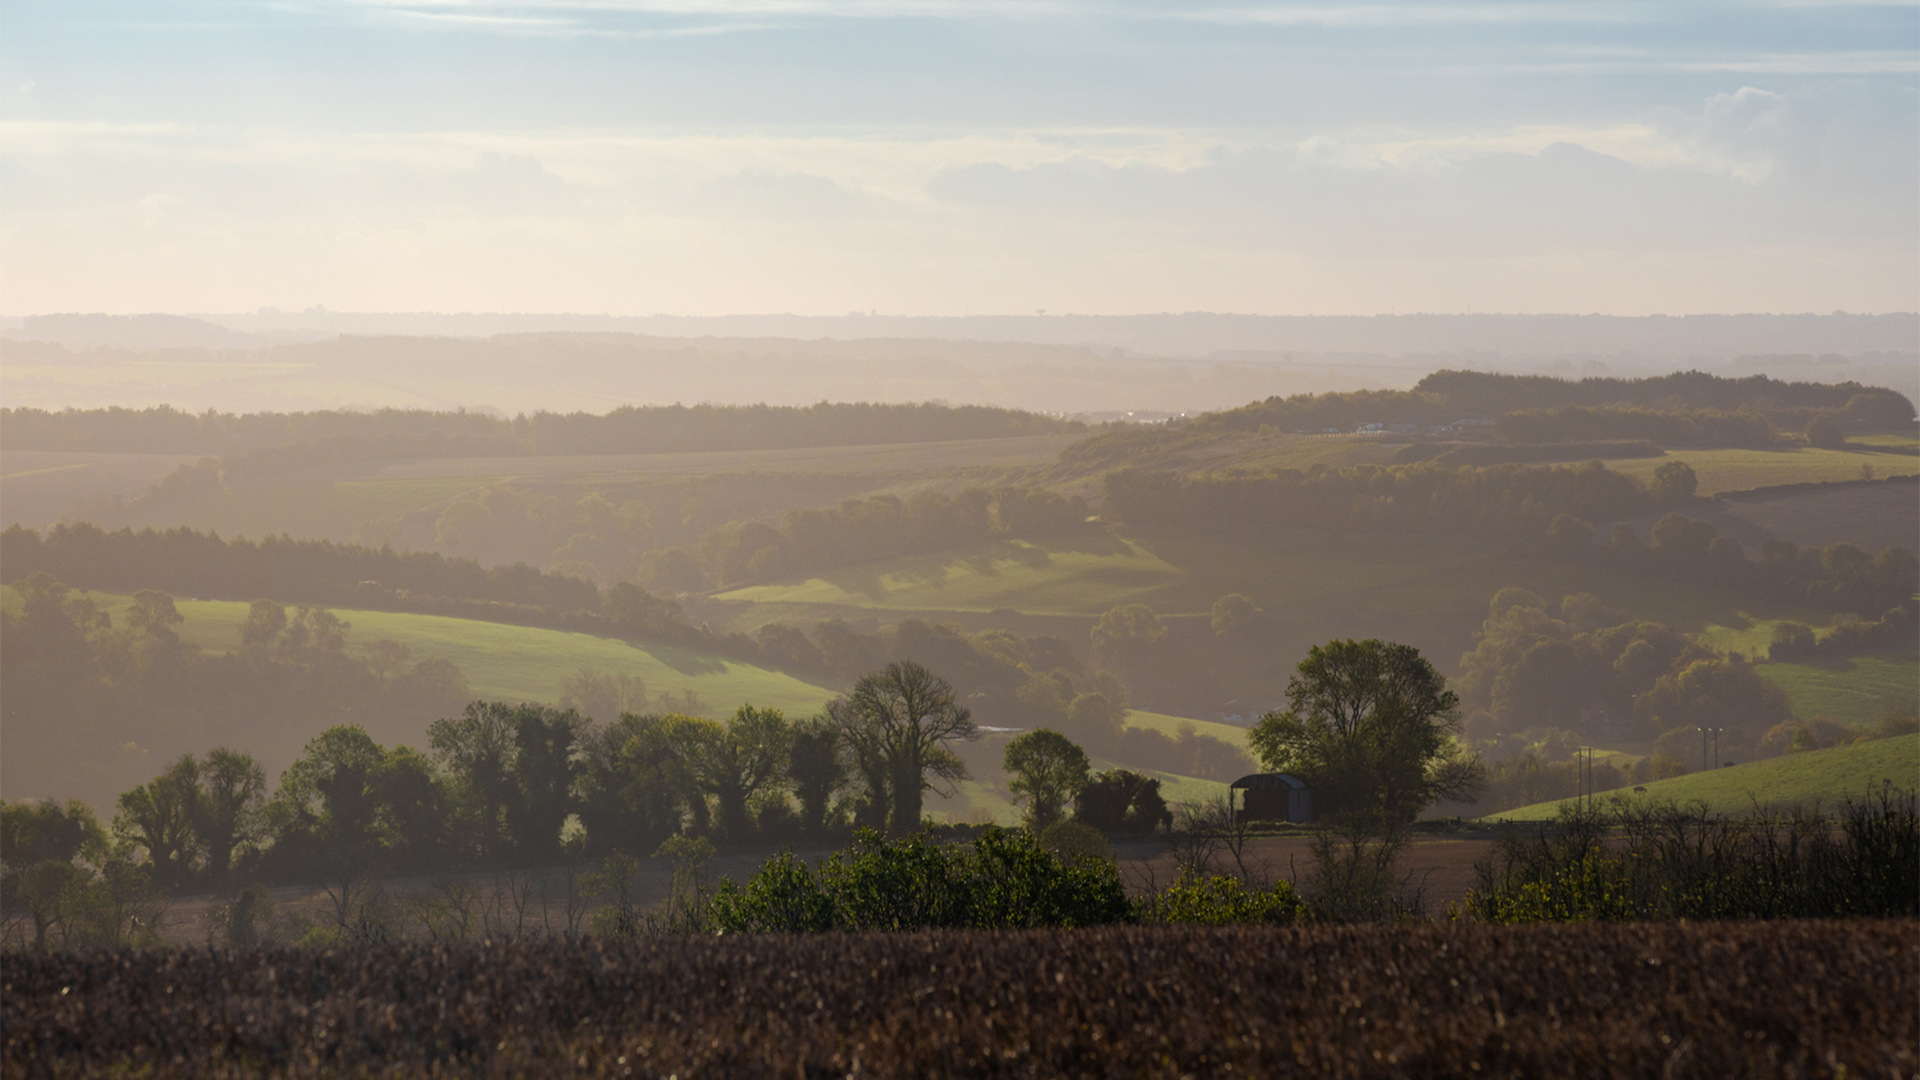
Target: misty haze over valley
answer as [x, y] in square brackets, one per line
[913, 538]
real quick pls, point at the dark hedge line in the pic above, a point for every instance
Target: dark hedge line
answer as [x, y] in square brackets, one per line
[1636, 1000]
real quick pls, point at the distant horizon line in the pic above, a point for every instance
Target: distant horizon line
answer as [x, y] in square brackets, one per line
[1035, 316]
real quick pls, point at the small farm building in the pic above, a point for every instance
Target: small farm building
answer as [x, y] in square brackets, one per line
[1272, 797]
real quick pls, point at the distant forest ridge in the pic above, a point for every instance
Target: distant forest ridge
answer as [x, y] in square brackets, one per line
[1172, 334]
[1448, 396]
[391, 433]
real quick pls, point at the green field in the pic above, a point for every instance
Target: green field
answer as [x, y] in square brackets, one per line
[1743, 470]
[1170, 727]
[1829, 776]
[1852, 690]
[1036, 579]
[1173, 576]
[520, 663]
[1751, 637]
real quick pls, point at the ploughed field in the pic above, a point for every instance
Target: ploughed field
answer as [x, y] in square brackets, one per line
[1707, 1000]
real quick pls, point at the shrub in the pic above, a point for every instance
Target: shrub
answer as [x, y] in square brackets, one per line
[1826, 431]
[1660, 862]
[1221, 900]
[1074, 841]
[1003, 879]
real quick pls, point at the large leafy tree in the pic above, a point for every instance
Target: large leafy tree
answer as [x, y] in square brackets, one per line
[330, 792]
[1048, 770]
[637, 788]
[738, 759]
[899, 721]
[477, 749]
[158, 816]
[227, 809]
[545, 765]
[817, 768]
[1371, 725]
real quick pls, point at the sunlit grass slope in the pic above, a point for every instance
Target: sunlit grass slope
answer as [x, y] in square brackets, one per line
[1742, 470]
[1170, 727]
[1031, 578]
[1829, 775]
[520, 663]
[1852, 690]
[1091, 575]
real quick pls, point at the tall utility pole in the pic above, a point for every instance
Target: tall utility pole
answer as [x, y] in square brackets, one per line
[1705, 762]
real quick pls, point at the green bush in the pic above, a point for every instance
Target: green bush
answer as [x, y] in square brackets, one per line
[1594, 889]
[1221, 900]
[1003, 879]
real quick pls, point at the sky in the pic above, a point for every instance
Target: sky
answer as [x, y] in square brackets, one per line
[939, 157]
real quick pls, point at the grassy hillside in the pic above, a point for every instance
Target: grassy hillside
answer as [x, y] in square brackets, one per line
[519, 663]
[1037, 579]
[1852, 690]
[1170, 727]
[1741, 470]
[1826, 775]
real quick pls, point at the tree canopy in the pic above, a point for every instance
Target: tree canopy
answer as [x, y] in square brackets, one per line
[1048, 770]
[1370, 724]
[897, 722]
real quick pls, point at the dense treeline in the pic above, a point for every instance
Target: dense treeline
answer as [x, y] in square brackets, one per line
[1839, 577]
[266, 441]
[1446, 396]
[1544, 677]
[504, 784]
[1501, 501]
[191, 563]
[862, 530]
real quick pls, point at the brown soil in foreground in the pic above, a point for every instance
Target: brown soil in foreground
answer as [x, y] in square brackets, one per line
[511, 904]
[1709, 1000]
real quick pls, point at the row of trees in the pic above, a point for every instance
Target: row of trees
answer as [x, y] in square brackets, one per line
[270, 441]
[505, 784]
[1840, 577]
[1446, 396]
[187, 562]
[1370, 724]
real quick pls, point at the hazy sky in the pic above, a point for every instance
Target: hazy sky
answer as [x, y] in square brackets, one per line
[947, 157]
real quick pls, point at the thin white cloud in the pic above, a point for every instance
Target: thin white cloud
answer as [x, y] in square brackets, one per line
[1390, 15]
[1271, 14]
[1862, 62]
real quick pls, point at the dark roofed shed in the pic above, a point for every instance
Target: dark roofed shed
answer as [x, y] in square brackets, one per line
[1273, 797]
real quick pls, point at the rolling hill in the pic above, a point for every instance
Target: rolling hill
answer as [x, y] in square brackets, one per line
[1828, 776]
